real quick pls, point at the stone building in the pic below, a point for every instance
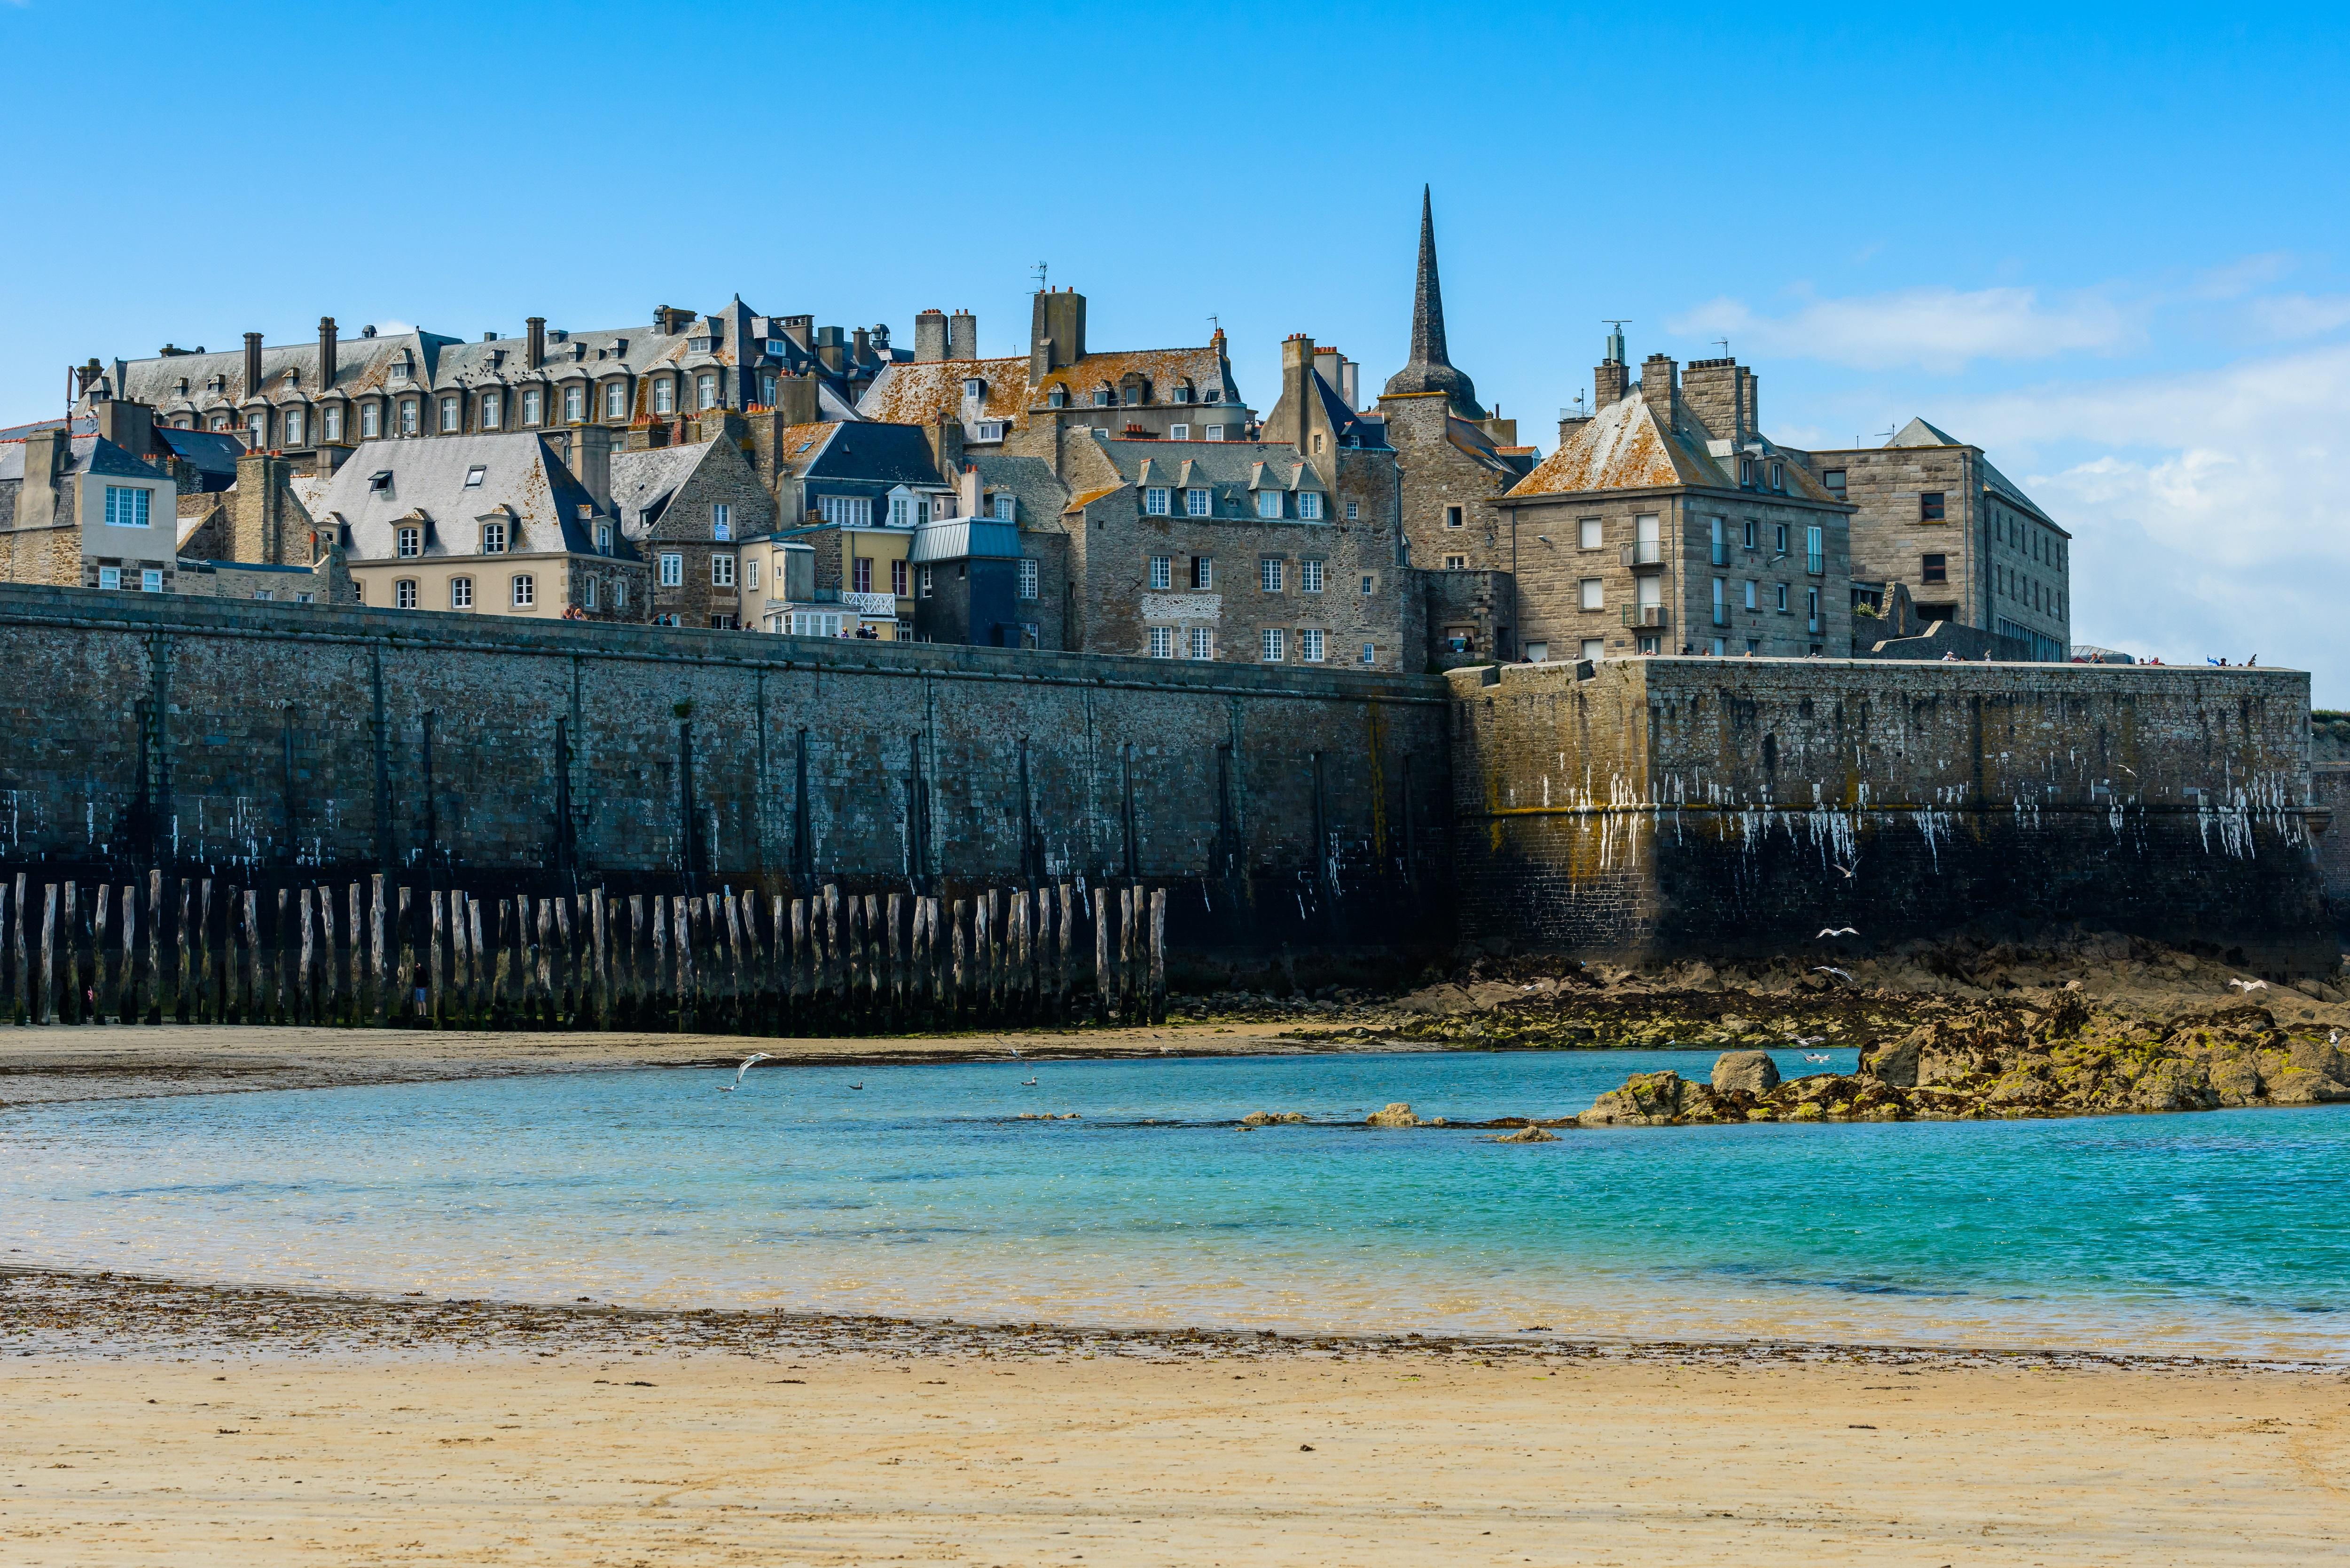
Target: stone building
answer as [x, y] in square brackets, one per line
[857, 496]
[1667, 523]
[481, 525]
[1932, 514]
[338, 391]
[1454, 457]
[690, 510]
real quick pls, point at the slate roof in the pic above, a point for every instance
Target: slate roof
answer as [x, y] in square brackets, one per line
[1038, 493]
[643, 482]
[1627, 447]
[1918, 432]
[884, 453]
[212, 453]
[1232, 471]
[522, 481]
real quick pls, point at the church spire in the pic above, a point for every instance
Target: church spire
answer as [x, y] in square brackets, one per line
[1430, 370]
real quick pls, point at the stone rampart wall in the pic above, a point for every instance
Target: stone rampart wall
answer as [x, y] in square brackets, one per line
[1700, 805]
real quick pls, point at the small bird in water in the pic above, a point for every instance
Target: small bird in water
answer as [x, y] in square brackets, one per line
[753, 1060]
[1027, 1083]
[2251, 985]
[1839, 931]
[856, 1085]
[1815, 1055]
[1830, 969]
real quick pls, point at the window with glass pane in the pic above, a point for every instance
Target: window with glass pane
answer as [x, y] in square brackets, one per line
[722, 520]
[1309, 507]
[125, 507]
[1268, 502]
[404, 592]
[1027, 578]
[722, 572]
[897, 578]
[1202, 642]
[1163, 571]
[1004, 505]
[151, 579]
[575, 403]
[1155, 500]
[664, 396]
[1309, 645]
[1271, 645]
[370, 421]
[525, 592]
[860, 574]
[412, 542]
[1309, 576]
[110, 576]
[1268, 574]
[1163, 642]
[461, 593]
[494, 538]
[705, 391]
[672, 571]
[1197, 502]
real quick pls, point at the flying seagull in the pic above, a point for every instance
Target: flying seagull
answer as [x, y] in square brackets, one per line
[753, 1060]
[1839, 932]
[1807, 1039]
[2251, 985]
[1846, 869]
[1830, 969]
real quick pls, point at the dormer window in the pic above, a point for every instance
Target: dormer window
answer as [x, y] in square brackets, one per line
[1183, 392]
[380, 483]
[699, 344]
[494, 538]
[1057, 398]
[1779, 476]
[183, 386]
[1101, 397]
[1745, 473]
[1133, 396]
[973, 386]
[987, 430]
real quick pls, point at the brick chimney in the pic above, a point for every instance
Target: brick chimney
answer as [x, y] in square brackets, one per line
[534, 353]
[131, 426]
[962, 336]
[1057, 334]
[266, 526]
[929, 337]
[1711, 392]
[1660, 377]
[253, 364]
[326, 355]
[795, 400]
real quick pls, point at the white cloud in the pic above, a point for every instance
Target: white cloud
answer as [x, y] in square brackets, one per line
[1934, 329]
[2203, 506]
[394, 328]
[2301, 315]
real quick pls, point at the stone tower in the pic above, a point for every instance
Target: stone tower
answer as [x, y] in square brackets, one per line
[1430, 370]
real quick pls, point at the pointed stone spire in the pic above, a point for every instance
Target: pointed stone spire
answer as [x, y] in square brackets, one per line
[1430, 370]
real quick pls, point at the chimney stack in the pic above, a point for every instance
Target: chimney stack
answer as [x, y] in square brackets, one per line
[929, 337]
[1711, 391]
[1056, 335]
[46, 453]
[861, 347]
[326, 355]
[796, 402]
[535, 350]
[962, 336]
[253, 364]
[1659, 383]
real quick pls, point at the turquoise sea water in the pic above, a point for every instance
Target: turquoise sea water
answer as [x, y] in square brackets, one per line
[2222, 1232]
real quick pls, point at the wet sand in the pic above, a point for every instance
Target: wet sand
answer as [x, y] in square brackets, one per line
[117, 1062]
[146, 1423]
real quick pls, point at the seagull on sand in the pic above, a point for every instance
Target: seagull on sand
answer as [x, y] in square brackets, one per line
[1839, 931]
[2251, 985]
[753, 1060]
[1830, 969]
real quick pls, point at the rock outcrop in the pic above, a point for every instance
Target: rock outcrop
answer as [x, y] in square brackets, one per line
[1273, 1119]
[1527, 1133]
[1396, 1115]
[2055, 1055]
[1745, 1072]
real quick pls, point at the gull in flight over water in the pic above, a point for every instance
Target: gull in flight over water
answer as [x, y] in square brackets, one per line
[1839, 931]
[753, 1060]
[1807, 1039]
[2251, 985]
[1830, 969]
[1846, 869]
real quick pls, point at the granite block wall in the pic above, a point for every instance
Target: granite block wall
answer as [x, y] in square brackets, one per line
[1665, 807]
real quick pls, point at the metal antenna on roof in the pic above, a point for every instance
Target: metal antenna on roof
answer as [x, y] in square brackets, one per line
[1216, 323]
[1039, 270]
[1725, 347]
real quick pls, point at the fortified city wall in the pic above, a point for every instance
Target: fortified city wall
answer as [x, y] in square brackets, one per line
[1278, 806]
[1665, 807]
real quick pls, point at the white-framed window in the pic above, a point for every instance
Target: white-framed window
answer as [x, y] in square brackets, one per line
[926, 582]
[1593, 648]
[1163, 571]
[722, 571]
[125, 507]
[1589, 534]
[1268, 502]
[1456, 563]
[461, 593]
[1309, 506]
[1371, 653]
[901, 512]
[110, 576]
[722, 520]
[449, 421]
[411, 542]
[261, 593]
[532, 405]
[1163, 642]
[750, 571]
[1594, 593]
[1269, 574]
[620, 593]
[673, 569]
[767, 388]
[219, 422]
[332, 418]
[898, 570]
[1200, 642]
[1214, 432]
[1370, 584]
[403, 592]
[494, 538]
[988, 430]
[494, 411]
[847, 510]
[370, 421]
[815, 623]
[587, 593]
[1779, 595]
[603, 538]
[292, 419]
[860, 574]
[1006, 504]
[705, 390]
[407, 416]
[616, 399]
[1155, 500]
[1272, 643]
[1309, 645]
[257, 431]
[1198, 503]
[526, 591]
[1203, 571]
[1309, 576]
[1354, 511]
[1179, 433]
[1027, 577]
[574, 404]
[152, 580]
[664, 396]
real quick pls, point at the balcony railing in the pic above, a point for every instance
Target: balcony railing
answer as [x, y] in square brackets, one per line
[1645, 616]
[1646, 553]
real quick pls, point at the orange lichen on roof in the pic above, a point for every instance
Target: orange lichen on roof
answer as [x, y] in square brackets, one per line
[923, 393]
[1623, 449]
[791, 438]
[1078, 502]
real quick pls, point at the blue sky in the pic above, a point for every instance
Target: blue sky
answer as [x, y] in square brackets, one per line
[2106, 244]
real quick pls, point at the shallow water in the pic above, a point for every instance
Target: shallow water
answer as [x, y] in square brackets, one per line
[2222, 1232]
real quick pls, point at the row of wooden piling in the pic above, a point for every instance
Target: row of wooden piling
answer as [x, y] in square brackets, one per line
[205, 949]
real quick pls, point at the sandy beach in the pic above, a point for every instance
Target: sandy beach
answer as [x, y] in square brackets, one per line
[147, 1423]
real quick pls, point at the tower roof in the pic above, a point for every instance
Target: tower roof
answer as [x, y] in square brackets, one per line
[1430, 368]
